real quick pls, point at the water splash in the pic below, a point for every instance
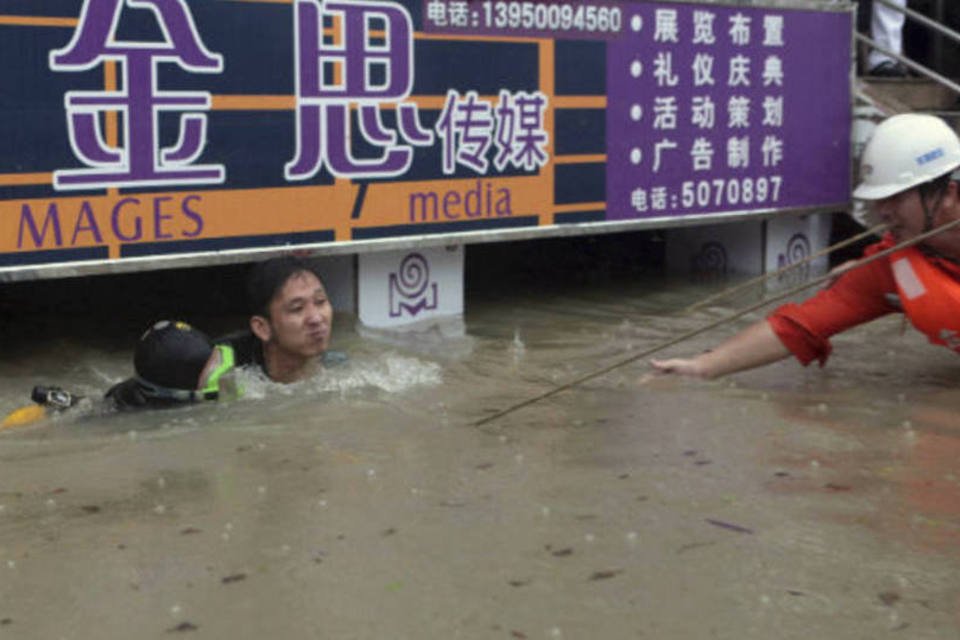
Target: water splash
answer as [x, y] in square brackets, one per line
[390, 372]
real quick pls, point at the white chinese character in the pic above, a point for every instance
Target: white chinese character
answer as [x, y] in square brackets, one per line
[703, 112]
[466, 127]
[664, 144]
[702, 154]
[519, 135]
[667, 28]
[773, 111]
[703, 27]
[773, 31]
[658, 198]
[738, 109]
[437, 12]
[702, 69]
[638, 199]
[738, 152]
[740, 29]
[663, 70]
[773, 71]
[739, 71]
[459, 14]
[772, 151]
[665, 109]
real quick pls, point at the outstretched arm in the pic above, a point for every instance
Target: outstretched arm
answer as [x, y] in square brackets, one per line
[755, 346]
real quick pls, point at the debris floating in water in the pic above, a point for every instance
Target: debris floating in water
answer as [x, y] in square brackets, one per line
[832, 486]
[605, 575]
[236, 577]
[729, 526]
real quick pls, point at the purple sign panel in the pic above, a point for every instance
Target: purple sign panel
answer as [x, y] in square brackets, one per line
[713, 109]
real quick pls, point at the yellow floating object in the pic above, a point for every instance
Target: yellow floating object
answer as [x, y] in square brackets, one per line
[24, 416]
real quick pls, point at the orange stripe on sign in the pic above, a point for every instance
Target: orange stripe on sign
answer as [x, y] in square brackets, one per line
[580, 206]
[25, 179]
[547, 55]
[253, 103]
[112, 119]
[580, 102]
[289, 103]
[454, 38]
[36, 21]
[580, 159]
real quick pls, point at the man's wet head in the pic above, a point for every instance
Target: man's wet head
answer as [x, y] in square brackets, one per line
[291, 316]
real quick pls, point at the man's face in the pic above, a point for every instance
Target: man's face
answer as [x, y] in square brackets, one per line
[903, 213]
[301, 317]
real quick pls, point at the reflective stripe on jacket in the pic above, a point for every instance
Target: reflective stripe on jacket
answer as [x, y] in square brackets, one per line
[930, 297]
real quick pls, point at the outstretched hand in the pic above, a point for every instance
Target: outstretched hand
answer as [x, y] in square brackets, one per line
[680, 366]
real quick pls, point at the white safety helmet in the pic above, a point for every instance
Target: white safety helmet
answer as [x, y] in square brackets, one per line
[906, 150]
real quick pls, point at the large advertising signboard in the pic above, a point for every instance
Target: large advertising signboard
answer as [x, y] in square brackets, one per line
[145, 133]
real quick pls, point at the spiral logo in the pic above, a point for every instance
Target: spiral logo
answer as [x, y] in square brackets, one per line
[798, 250]
[711, 260]
[410, 287]
[413, 275]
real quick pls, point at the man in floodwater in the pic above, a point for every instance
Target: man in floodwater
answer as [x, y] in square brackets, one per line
[907, 172]
[174, 364]
[291, 320]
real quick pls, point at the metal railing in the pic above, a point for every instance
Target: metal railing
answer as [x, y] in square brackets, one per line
[935, 25]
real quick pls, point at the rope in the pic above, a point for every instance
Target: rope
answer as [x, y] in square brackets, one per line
[712, 325]
[779, 272]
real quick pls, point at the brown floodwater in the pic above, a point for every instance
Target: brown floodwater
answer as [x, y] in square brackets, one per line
[364, 503]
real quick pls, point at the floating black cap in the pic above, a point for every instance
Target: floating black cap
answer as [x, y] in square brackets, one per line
[172, 354]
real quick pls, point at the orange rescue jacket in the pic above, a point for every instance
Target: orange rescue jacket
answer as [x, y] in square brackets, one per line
[930, 297]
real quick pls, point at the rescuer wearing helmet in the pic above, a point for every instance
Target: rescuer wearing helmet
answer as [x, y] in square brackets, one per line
[906, 176]
[174, 364]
